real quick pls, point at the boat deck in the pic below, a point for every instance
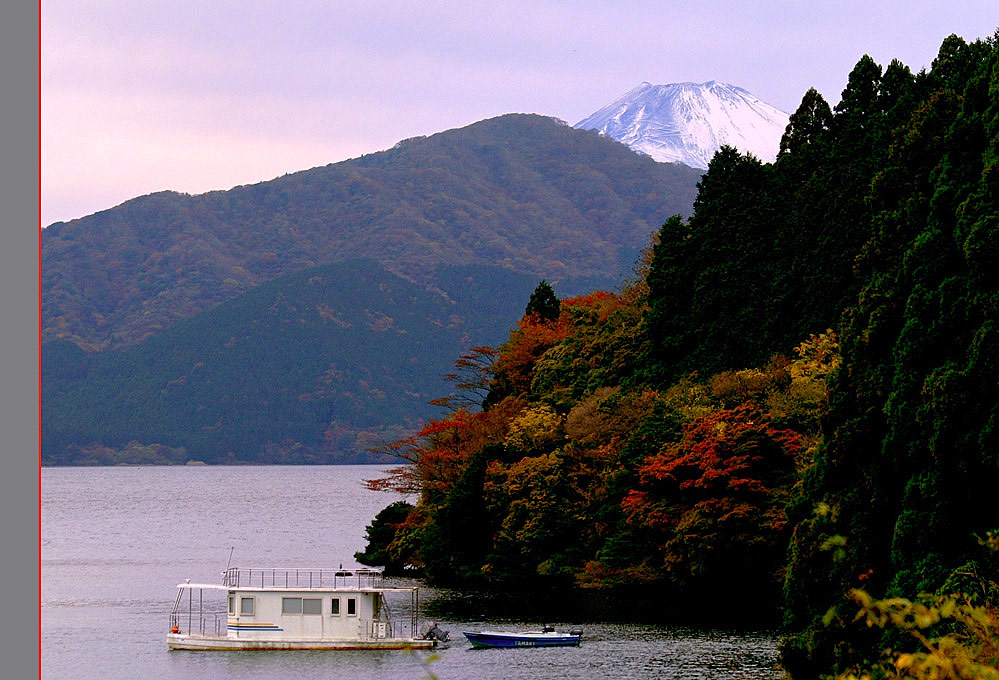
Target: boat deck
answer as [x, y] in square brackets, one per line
[221, 643]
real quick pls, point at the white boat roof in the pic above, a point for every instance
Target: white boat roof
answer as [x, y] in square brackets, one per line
[243, 589]
[317, 589]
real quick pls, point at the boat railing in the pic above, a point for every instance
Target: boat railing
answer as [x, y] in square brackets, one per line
[320, 577]
[202, 624]
[215, 624]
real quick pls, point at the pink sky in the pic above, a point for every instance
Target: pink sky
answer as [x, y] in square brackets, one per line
[191, 96]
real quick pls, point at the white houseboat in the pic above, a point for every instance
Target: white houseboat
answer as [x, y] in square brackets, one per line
[295, 609]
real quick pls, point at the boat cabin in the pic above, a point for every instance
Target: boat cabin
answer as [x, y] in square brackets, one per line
[277, 608]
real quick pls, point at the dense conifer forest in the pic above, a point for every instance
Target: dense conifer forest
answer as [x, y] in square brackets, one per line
[790, 412]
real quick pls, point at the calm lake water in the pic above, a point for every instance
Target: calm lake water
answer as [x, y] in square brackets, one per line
[117, 541]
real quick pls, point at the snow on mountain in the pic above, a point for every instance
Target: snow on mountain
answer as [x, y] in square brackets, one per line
[688, 122]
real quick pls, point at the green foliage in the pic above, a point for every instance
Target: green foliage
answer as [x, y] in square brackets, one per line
[909, 463]
[454, 545]
[807, 127]
[709, 279]
[726, 288]
[952, 635]
[380, 534]
[604, 349]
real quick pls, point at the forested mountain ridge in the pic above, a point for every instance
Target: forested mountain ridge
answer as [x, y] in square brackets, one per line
[520, 191]
[699, 442]
[316, 366]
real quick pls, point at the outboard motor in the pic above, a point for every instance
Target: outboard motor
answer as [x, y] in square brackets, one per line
[435, 632]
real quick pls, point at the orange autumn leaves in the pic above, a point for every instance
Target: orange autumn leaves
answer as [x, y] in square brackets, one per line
[436, 455]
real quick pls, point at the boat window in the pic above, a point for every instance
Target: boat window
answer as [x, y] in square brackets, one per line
[291, 605]
[246, 606]
[312, 606]
[335, 606]
[351, 606]
[232, 605]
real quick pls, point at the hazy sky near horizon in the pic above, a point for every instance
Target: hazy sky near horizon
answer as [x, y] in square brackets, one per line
[199, 95]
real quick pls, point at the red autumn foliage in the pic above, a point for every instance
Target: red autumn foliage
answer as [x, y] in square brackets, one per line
[731, 452]
[527, 343]
[600, 302]
[717, 495]
[437, 454]
[435, 428]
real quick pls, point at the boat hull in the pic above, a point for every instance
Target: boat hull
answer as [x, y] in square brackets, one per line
[506, 640]
[211, 643]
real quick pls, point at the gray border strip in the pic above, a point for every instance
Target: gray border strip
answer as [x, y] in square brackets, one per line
[19, 332]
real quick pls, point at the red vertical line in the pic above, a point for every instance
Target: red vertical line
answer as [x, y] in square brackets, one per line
[39, 327]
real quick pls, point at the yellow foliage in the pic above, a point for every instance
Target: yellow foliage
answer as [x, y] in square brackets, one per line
[955, 639]
[535, 429]
[732, 388]
[608, 414]
[817, 357]
[804, 398]
[689, 399]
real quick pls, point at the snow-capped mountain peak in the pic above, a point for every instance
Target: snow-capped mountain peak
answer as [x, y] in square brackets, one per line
[688, 122]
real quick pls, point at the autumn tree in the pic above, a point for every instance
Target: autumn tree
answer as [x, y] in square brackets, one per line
[472, 376]
[513, 370]
[714, 502]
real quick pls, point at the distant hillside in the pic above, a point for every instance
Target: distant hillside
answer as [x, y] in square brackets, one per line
[523, 192]
[313, 367]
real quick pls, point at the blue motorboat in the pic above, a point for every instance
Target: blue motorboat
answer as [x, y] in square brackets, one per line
[547, 637]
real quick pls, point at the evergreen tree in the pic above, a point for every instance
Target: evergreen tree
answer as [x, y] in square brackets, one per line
[905, 479]
[808, 125]
[709, 285]
[380, 534]
[543, 302]
[670, 280]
